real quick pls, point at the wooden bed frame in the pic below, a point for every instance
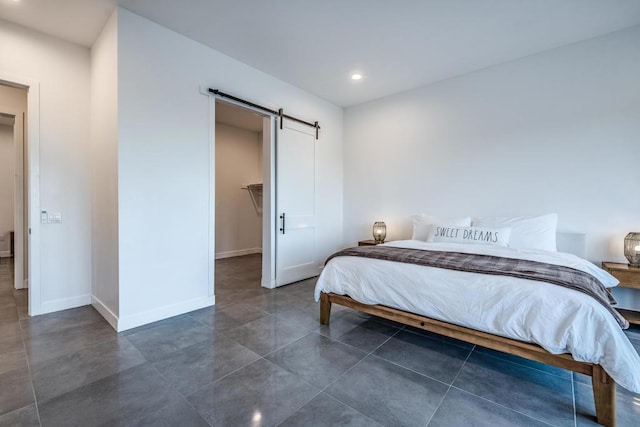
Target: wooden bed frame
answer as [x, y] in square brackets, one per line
[604, 388]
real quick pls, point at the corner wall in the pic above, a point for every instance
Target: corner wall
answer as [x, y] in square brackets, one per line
[104, 171]
[164, 164]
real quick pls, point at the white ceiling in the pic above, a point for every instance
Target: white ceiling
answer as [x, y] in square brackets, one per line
[317, 44]
[77, 21]
[238, 117]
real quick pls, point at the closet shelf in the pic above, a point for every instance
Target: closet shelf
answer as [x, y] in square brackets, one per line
[255, 191]
[252, 187]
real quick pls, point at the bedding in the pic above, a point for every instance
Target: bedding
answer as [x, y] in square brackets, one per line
[488, 264]
[527, 232]
[558, 319]
[423, 223]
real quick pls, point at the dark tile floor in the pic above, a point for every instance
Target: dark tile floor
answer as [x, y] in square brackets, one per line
[260, 358]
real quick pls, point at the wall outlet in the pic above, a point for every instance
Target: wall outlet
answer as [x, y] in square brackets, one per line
[44, 217]
[1, 237]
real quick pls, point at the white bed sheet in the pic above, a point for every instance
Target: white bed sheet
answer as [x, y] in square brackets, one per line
[558, 319]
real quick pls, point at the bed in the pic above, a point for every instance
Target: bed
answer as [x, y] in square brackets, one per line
[512, 315]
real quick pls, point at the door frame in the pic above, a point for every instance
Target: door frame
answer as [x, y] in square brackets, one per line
[268, 193]
[32, 139]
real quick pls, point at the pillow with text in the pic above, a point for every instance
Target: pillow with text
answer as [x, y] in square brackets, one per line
[423, 223]
[472, 235]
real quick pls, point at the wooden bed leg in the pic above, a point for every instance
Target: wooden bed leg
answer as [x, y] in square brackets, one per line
[325, 309]
[604, 395]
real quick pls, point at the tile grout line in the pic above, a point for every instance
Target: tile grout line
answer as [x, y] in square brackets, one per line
[521, 366]
[322, 391]
[299, 407]
[29, 363]
[397, 364]
[33, 385]
[179, 394]
[410, 370]
[502, 406]
[251, 363]
[484, 398]
[450, 385]
[223, 333]
[223, 377]
[358, 362]
[330, 397]
[286, 345]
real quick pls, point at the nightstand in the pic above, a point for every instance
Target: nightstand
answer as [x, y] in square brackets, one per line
[629, 277]
[367, 243]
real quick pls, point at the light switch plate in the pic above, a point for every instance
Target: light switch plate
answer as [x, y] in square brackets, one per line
[55, 217]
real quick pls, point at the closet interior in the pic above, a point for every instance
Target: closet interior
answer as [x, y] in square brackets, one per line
[238, 192]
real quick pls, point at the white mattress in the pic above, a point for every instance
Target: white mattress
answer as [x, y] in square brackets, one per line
[558, 319]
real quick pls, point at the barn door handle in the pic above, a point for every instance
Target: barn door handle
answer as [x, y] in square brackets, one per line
[282, 217]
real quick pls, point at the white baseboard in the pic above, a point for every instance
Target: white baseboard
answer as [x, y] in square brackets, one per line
[25, 284]
[64, 304]
[139, 319]
[240, 252]
[5, 254]
[105, 312]
[269, 284]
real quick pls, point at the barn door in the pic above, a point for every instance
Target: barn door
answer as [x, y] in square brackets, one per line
[296, 151]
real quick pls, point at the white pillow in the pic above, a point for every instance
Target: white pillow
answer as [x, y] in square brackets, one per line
[527, 232]
[423, 222]
[472, 235]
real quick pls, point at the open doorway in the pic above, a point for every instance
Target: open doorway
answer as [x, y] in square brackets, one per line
[20, 98]
[14, 242]
[243, 215]
[288, 197]
[7, 189]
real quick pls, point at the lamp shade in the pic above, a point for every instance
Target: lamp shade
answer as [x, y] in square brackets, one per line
[632, 249]
[379, 231]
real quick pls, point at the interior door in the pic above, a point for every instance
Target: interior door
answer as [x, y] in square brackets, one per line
[296, 147]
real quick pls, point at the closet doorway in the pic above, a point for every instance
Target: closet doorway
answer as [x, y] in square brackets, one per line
[243, 207]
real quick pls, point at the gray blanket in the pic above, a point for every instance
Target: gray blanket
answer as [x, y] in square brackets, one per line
[488, 264]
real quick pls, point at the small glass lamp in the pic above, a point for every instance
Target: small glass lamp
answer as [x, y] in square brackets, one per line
[380, 231]
[631, 249]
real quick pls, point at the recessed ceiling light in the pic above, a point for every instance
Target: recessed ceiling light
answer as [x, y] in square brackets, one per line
[356, 76]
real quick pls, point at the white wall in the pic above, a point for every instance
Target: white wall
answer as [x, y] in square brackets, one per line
[6, 187]
[163, 168]
[62, 70]
[104, 168]
[553, 132]
[238, 163]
